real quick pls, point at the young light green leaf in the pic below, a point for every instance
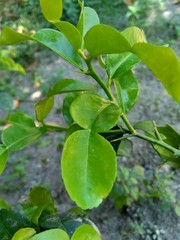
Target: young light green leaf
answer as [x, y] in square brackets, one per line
[103, 39]
[89, 161]
[54, 234]
[24, 234]
[70, 30]
[163, 62]
[88, 19]
[119, 64]
[16, 138]
[85, 232]
[3, 157]
[49, 38]
[134, 35]
[127, 90]
[52, 10]
[8, 64]
[91, 111]
[69, 85]
[44, 107]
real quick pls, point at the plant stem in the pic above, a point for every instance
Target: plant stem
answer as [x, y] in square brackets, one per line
[91, 72]
[128, 124]
[52, 128]
[160, 143]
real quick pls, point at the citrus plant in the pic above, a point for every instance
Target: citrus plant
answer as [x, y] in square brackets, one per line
[97, 127]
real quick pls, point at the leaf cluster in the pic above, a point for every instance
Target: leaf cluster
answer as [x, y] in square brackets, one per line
[96, 115]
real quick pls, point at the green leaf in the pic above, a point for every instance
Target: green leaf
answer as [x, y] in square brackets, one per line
[43, 108]
[119, 64]
[70, 30]
[125, 148]
[52, 10]
[89, 161]
[135, 193]
[40, 196]
[3, 204]
[172, 138]
[21, 120]
[49, 38]
[146, 126]
[127, 90]
[69, 85]
[50, 221]
[66, 107]
[134, 35]
[8, 64]
[85, 232]
[59, 44]
[163, 62]
[103, 39]
[88, 19]
[11, 222]
[54, 234]
[3, 157]
[24, 234]
[16, 138]
[91, 111]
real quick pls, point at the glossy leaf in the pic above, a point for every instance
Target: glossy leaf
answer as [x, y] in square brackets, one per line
[44, 107]
[127, 90]
[52, 10]
[163, 62]
[69, 85]
[24, 234]
[119, 64]
[88, 19]
[49, 38]
[8, 64]
[85, 232]
[16, 138]
[91, 111]
[70, 30]
[11, 222]
[59, 44]
[89, 161]
[103, 39]
[54, 234]
[134, 35]
[3, 157]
